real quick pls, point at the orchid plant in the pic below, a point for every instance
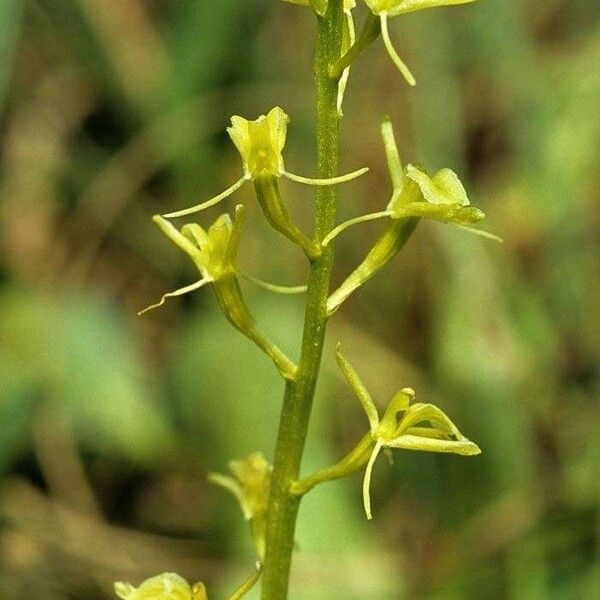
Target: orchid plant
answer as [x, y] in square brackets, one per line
[269, 495]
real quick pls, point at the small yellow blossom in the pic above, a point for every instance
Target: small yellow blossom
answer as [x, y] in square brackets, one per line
[250, 487]
[260, 143]
[418, 426]
[213, 252]
[167, 586]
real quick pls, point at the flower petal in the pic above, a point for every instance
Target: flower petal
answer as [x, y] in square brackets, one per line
[367, 480]
[429, 444]
[355, 382]
[443, 188]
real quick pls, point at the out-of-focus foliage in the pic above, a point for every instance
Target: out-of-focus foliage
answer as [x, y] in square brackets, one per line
[112, 111]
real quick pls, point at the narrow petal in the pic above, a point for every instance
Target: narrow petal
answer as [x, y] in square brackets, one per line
[178, 238]
[454, 213]
[353, 378]
[236, 234]
[227, 483]
[385, 34]
[348, 39]
[271, 287]
[329, 181]
[208, 203]
[197, 235]
[398, 404]
[367, 480]
[391, 154]
[351, 222]
[407, 6]
[463, 447]
[179, 292]
[481, 233]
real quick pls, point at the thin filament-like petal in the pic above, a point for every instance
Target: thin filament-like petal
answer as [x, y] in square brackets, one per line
[330, 181]
[350, 38]
[481, 233]
[227, 483]
[208, 203]
[355, 221]
[367, 480]
[271, 287]
[248, 584]
[385, 34]
[179, 292]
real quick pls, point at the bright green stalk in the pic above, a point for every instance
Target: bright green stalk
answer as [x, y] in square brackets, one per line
[298, 397]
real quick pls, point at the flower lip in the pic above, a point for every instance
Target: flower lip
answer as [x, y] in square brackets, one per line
[261, 142]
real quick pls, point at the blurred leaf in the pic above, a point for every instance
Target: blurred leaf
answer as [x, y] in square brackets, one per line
[77, 353]
[11, 17]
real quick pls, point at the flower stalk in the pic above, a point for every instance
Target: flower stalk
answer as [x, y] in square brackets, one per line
[298, 397]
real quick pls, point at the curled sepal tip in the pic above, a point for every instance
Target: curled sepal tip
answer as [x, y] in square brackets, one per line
[167, 586]
[404, 425]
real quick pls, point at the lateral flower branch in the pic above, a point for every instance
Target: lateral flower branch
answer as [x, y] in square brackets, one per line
[419, 426]
[270, 492]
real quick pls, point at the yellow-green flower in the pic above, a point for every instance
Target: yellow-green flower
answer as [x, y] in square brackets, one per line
[418, 426]
[214, 252]
[167, 586]
[415, 195]
[260, 143]
[250, 486]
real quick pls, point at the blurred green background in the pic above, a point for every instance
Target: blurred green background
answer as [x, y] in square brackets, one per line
[111, 111]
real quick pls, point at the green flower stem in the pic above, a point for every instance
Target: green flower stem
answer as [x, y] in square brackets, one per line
[269, 198]
[353, 461]
[368, 34]
[390, 242]
[297, 402]
[229, 296]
